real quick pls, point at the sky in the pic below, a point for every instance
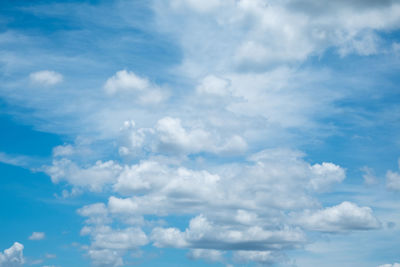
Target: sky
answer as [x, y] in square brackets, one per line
[200, 133]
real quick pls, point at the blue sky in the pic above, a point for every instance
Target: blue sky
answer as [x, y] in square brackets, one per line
[200, 133]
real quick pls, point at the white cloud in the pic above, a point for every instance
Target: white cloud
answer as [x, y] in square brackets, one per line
[261, 257]
[37, 236]
[46, 77]
[93, 177]
[243, 214]
[109, 245]
[325, 175]
[213, 85]
[393, 180]
[106, 258]
[128, 83]
[198, 6]
[125, 81]
[202, 233]
[170, 136]
[13, 256]
[344, 217]
[255, 35]
[210, 255]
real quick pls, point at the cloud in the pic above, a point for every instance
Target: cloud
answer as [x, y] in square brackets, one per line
[202, 233]
[212, 154]
[262, 257]
[368, 175]
[92, 177]
[108, 245]
[128, 83]
[125, 81]
[243, 214]
[344, 217]
[214, 86]
[13, 256]
[46, 77]
[209, 255]
[37, 236]
[274, 33]
[170, 136]
[393, 180]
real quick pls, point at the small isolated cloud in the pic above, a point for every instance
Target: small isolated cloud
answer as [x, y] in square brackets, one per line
[344, 217]
[13, 256]
[37, 236]
[46, 77]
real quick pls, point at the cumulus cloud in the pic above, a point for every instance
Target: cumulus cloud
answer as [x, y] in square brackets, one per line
[13, 256]
[92, 177]
[210, 255]
[109, 245]
[46, 77]
[244, 213]
[202, 233]
[170, 136]
[344, 217]
[125, 81]
[37, 236]
[241, 89]
[128, 83]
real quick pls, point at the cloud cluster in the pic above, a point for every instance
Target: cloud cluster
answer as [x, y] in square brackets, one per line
[217, 147]
[246, 213]
[13, 256]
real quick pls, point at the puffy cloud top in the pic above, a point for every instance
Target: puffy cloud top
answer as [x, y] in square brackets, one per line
[13, 256]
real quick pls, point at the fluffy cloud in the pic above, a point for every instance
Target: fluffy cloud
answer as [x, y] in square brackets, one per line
[245, 212]
[207, 255]
[93, 177]
[169, 136]
[46, 77]
[344, 217]
[241, 89]
[13, 256]
[109, 245]
[205, 234]
[126, 82]
[37, 236]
